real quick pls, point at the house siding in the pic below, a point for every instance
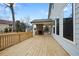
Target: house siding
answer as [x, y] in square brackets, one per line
[77, 24]
[2, 27]
[71, 47]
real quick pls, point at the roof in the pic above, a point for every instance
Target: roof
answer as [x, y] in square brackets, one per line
[50, 5]
[5, 22]
[41, 20]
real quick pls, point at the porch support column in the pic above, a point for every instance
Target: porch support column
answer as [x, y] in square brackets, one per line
[51, 30]
[33, 30]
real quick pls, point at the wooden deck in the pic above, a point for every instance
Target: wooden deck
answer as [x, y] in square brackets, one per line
[36, 46]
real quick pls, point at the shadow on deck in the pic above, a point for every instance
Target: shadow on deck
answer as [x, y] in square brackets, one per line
[40, 45]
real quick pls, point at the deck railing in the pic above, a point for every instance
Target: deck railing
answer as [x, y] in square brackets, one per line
[9, 39]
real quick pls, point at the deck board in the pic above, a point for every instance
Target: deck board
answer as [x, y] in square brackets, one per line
[41, 45]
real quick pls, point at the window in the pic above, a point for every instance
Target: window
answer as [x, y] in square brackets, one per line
[54, 27]
[68, 22]
[10, 24]
[57, 26]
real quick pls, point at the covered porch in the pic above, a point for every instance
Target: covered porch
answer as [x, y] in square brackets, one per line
[42, 26]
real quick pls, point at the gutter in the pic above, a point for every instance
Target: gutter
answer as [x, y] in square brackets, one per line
[49, 10]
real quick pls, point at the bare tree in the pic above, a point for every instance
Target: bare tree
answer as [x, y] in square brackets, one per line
[10, 5]
[27, 22]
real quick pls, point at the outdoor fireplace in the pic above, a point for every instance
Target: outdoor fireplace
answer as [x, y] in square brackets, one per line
[40, 32]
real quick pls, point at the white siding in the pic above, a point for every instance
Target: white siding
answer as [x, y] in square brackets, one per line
[77, 23]
[69, 46]
[57, 9]
[57, 12]
[3, 26]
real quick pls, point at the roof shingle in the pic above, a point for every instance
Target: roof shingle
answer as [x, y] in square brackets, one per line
[5, 22]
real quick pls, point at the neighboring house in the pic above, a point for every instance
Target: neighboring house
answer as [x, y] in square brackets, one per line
[5, 24]
[29, 28]
[66, 27]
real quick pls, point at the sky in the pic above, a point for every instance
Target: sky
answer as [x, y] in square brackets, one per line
[25, 11]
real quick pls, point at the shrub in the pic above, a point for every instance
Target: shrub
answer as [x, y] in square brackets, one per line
[6, 30]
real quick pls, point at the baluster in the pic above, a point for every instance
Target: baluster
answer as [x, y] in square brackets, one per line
[6, 40]
[14, 39]
[0, 42]
[4, 45]
[10, 40]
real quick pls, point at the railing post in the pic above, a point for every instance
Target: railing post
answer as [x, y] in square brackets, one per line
[19, 37]
[0, 42]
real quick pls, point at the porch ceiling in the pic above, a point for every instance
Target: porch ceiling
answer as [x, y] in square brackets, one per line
[43, 21]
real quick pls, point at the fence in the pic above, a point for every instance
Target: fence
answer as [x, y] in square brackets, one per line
[8, 39]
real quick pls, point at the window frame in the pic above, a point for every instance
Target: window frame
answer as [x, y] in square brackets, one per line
[73, 14]
[57, 26]
[54, 27]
